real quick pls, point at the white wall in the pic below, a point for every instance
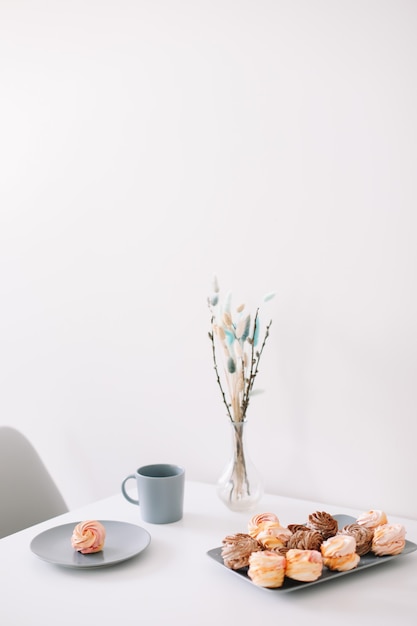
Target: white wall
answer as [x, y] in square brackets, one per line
[147, 144]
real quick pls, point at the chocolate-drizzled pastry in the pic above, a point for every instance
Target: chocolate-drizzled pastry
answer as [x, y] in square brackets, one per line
[237, 550]
[323, 523]
[362, 535]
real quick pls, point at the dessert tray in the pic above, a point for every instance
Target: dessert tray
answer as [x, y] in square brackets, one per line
[367, 560]
[123, 542]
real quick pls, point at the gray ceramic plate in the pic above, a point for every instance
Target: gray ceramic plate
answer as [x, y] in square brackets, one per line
[368, 560]
[123, 542]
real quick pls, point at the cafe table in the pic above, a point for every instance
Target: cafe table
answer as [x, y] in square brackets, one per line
[174, 580]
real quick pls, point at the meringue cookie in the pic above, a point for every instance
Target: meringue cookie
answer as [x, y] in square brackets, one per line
[342, 563]
[267, 569]
[339, 553]
[372, 519]
[389, 539]
[274, 537]
[303, 565]
[339, 545]
[323, 523]
[363, 537]
[305, 540]
[261, 522]
[237, 550]
[88, 537]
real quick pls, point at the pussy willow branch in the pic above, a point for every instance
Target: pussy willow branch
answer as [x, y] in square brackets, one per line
[260, 353]
[213, 349]
[248, 383]
[254, 366]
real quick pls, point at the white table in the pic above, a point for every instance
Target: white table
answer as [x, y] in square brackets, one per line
[174, 581]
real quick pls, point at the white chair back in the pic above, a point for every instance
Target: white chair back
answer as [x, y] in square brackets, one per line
[28, 494]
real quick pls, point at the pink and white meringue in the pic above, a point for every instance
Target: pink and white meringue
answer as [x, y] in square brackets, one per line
[267, 569]
[372, 519]
[88, 537]
[339, 545]
[261, 522]
[339, 553]
[389, 539]
[303, 565]
[274, 537]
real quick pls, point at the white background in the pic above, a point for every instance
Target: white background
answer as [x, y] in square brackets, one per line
[149, 144]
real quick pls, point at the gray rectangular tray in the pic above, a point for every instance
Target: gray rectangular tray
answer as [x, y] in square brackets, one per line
[368, 560]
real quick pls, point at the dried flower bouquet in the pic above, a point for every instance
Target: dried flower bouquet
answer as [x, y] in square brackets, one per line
[237, 337]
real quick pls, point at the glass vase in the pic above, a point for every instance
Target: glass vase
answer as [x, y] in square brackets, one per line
[240, 486]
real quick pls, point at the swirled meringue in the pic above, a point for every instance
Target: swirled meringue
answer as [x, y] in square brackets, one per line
[261, 522]
[303, 565]
[267, 569]
[339, 545]
[237, 550]
[339, 553]
[372, 519]
[305, 540]
[342, 563]
[274, 537]
[389, 539]
[363, 536]
[323, 523]
[88, 537]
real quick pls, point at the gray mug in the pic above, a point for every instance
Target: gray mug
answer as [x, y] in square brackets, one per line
[160, 490]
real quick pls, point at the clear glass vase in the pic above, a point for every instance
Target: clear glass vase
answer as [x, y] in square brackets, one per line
[240, 486]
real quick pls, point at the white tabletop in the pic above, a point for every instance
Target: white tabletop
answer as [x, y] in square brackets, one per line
[174, 581]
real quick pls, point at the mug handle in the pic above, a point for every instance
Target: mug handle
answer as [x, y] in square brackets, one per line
[124, 492]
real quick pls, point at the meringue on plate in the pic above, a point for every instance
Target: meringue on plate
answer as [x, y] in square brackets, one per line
[88, 537]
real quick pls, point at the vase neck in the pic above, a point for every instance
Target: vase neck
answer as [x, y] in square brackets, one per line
[238, 429]
[238, 423]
